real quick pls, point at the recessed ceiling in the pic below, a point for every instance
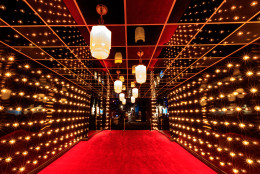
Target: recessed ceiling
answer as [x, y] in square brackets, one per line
[182, 38]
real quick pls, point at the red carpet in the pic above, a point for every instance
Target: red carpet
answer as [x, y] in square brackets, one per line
[127, 152]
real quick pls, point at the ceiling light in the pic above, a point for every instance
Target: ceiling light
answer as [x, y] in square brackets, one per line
[140, 73]
[139, 34]
[133, 69]
[118, 58]
[124, 102]
[132, 99]
[122, 78]
[100, 36]
[121, 96]
[140, 70]
[118, 86]
[135, 92]
[132, 84]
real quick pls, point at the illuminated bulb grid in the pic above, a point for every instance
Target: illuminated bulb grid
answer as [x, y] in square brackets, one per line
[65, 121]
[244, 12]
[229, 152]
[107, 122]
[154, 119]
[66, 36]
[53, 12]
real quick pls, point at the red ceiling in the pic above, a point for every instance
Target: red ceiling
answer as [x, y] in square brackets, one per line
[138, 12]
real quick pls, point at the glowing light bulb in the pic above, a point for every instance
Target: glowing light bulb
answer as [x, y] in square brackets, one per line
[246, 57]
[242, 125]
[254, 3]
[245, 142]
[235, 170]
[249, 73]
[232, 154]
[8, 159]
[253, 90]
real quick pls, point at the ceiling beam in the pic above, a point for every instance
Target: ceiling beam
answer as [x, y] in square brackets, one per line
[146, 24]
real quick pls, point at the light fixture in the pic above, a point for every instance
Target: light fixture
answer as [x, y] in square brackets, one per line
[132, 84]
[100, 36]
[140, 70]
[139, 34]
[132, 99]
[133, 69]
[135, 92]
[124, 88]
[118, 84]
[122, 78]
[124, 102]
[118, 58]
[121, 96]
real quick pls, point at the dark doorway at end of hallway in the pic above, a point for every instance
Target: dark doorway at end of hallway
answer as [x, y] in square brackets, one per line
[132, 116]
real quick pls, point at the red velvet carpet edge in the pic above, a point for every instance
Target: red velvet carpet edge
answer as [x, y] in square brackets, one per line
[127, 152]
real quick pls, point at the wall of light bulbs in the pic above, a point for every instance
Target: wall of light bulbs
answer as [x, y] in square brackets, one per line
[42, 114]
[216, 115]
[107, 113]
[154, 117]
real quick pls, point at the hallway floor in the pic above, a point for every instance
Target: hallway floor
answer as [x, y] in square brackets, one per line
[127, 152]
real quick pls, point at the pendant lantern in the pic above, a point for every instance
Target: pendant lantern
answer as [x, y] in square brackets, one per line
[139, 34]
[122, 78]
[124, 102]
[140, 70]
[118, 58]
[133, 69]
[132, 84]
[135, 92]
[132, 99]
[121, 96]
[140, 74]
[100, 36]
[118, 86]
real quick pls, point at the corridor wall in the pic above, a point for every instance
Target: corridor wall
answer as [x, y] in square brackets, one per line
[41, 114]
[215, 115]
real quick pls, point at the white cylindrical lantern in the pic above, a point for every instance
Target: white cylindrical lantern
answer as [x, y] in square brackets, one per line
[100, 42]
[121, 96]
[140, 74]
[135, 92]
[118, 57]
[139, 34]
[124, 88]
[118, 86]
[124, 102]
[132, 99]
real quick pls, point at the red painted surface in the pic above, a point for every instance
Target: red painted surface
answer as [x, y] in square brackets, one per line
[148, 12]
[138, 12]
[128, 152]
